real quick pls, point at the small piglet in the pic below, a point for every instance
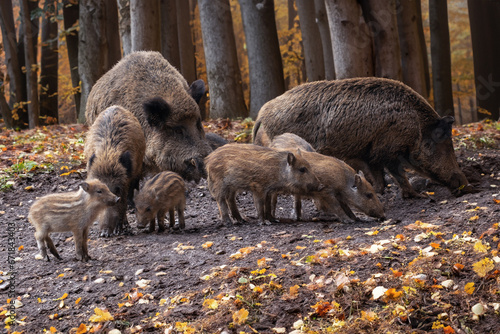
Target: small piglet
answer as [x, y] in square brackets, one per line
[164, 192]
[73, 211]
[263, 171]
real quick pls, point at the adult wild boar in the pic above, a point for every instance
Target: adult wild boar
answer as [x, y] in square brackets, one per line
[156, 93]
[373, 123]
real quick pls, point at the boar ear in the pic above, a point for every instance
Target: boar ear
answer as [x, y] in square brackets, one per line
[299, 153]
[357, 179]
[197, 90]
[291, 159]
[85, 186]
[126, 161]
[91, 161]
[157, 111]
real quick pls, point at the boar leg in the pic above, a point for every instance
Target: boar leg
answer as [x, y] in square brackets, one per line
[268, 208]
[274, 202]
[85, 248]
[231, 201]
[180, 213]
[399, 175]
[152, 225]
[298, 207]
[171, 217]
[52, 248]
[40, 241]
[78, 236]
[160, 216]
[223, 209]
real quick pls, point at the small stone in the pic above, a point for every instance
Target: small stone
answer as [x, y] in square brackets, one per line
[100, 280]
[138, 272]
[478, 309]
[448, 283]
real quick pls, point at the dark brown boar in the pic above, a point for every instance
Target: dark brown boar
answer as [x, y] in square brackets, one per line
[72, 211]
[263, 171]
[114, 149]
[156, 93]
[214, 140]
[372, 122]
[163, 193]
[343, 187]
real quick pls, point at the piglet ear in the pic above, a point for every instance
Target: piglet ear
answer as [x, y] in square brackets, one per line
[197, 90]
[291, 159]
[357, 179]
[85, 186]
[157, 111]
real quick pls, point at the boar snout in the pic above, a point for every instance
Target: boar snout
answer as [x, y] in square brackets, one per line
[458, 184]
[194, 170]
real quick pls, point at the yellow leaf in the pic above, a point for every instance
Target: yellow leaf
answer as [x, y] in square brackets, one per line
[63, 297]
[483, 267]
[480, 247]
[437, 325]
[393, 294]
[78, 300]
[370, 315]
[261, 262]
[240, 316]
[372, 232]
[53, 330]
[211, 304]
[435, 245]
[81, 329]
[474, 218]
[322, 307]
[246, 250]
[300, 247]
[294, 290]
[20, 248]
[258, 289]
[162, 301]
[469, 288]
[101, 316]
[207, 244]
[60, 275]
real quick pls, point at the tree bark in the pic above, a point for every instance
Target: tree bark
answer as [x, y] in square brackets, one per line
[292, 14]
[313, 49]
[380, 15]
[223, 72]
[410, 40]
[485, 29]
[441, 59]
[145, 25]
[71, 15]
[31, 67]
[169, 33]
[264, 58]
[124, 24]
[351, 39]
[326, 40]
[113, 33]
[49, 66]
[186, 44]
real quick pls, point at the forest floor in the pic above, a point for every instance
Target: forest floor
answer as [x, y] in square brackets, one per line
[432, 266]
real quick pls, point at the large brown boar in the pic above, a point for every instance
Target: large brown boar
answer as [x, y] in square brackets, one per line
[343, 187]
[263, 171]
[374, 123]
[163, 193]
[114, 149]
[72, 211]
[156, 93]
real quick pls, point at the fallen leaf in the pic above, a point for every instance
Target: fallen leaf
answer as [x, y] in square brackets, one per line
[81, 329]
[483, 267]
[20, 248]
[480, 247]
[469, 288]
[372, 232]
[211, 304]
[448, 330]
[369, 316]
[207, 244]
[261, 262]
[322, 307]
[393, 294]
[239, 317]
[294, 290]
[101, 316]
[300, 247]
[378, 292]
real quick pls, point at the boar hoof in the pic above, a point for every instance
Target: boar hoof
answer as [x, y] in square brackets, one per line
[412, 194]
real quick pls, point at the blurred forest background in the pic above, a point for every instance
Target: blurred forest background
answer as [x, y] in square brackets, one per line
[249, 51]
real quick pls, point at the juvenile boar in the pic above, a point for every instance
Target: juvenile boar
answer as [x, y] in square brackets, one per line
[373, 122]
[156, 93]
[261, 170]
[73, 211]
[214, 140]
[163, 193]
[114, 149]
[343, 188]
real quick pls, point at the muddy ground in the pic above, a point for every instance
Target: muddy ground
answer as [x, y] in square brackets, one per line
[148, 282]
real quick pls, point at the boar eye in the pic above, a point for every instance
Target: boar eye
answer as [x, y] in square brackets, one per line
[99, 191]
[369, 196]
[178, 131]
[302, 170]
[148, 209]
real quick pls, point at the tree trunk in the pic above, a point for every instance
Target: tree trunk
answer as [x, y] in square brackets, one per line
[124, 24]
[16, 78]
[94, 55]
[169, 34]
[223, 72]
[264, 58]
[485, 29]
[410, 40]
[31, 66]
[313, 49]
[351, 39]
[380, 15]
[292, 14]
[441, 59]
[326, 40]
[5, 109]
[145, 25]
[71, 15]
[49, 66]
[186, 44]
[424, 48]
[113, 34]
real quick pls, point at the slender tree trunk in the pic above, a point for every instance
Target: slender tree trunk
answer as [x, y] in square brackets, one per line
[5, 109]
[264, 58]
[380, 15]
[169, 33]
[31, 67]
[485, 31]
[423, 46]
[71, 15]
[145, 25]
[326, 39]
[223, 72]
[351, 39]
[410, 40]
[313, 49]
[124, 24]
[441, 59]
[49, 67]
[113, 34]
[15, 76]
[186, 44]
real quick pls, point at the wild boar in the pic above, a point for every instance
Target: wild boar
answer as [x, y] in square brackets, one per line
[263, 171]
[343, 187]
[156, 93]
[163, 193]
[372, 122]
[214, 140]
[114, 149]
[72, 211]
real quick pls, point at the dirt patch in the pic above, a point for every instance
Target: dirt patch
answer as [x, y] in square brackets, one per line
[319, 271]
